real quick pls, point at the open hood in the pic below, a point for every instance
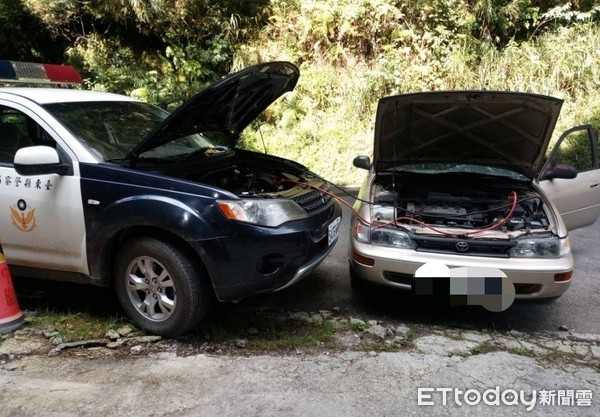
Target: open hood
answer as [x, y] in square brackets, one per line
[504, 129]
[227, 106]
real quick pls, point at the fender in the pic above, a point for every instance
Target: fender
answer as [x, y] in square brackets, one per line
[155, 211]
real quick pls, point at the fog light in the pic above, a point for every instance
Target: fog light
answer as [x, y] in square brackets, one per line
[270, 264]
[363, 259]
[565, 276]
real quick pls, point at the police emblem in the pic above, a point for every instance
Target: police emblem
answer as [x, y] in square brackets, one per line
[22, 218]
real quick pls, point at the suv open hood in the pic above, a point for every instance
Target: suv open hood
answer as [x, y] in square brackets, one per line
[504, 129]
[227, 106]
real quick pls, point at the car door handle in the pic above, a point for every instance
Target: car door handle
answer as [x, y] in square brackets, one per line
[594, 185]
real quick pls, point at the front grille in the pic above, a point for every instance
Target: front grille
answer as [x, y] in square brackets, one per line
[468, 247]
[312, 200]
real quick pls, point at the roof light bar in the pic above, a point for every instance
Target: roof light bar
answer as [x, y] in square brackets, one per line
[33, 73]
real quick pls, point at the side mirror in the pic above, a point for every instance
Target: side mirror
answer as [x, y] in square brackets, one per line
[558, 171]
[38, 160]
[363, 162]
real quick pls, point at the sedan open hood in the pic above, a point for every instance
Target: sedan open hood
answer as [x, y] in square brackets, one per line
[504, 129]
[227, 106]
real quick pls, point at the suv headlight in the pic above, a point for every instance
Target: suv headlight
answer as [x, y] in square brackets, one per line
[383, 236]
[270, 213]
[551, 247]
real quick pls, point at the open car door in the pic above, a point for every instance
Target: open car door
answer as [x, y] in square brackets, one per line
[577, 199]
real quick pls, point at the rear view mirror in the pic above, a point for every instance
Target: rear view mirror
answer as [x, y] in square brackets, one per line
[558, 171]
[38, 160]
[363, 162]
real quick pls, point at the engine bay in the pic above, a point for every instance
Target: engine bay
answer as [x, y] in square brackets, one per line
[245, 180]
[454, 205]
[242, 173]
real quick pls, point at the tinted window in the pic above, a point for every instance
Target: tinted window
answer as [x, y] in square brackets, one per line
[112, 129]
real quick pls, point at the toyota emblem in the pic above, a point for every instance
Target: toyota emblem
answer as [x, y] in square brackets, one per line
[462, 246]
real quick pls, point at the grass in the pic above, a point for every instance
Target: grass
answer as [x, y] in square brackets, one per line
[266, 331]
[483, 348]
[297, 336]
[329, 118]
[73, 326]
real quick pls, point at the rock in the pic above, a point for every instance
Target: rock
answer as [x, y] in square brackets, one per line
[507, 343]
[83, 343]
[112, 334]
[56, 340]
[241, 343]
[326, 314]
[336, 310]
[54, 352]
[145, 339]
[116, 344]
[376, 330]
[585, 337]
[50, 332]
[125, 330]
[337, 323]
[401, 330]
[441, 345]
[357, 322]
[475, 337]
[300, 316]
[136, 350]
[316, 318]
[21, 346]
[372, 322]
[399, 340]
[563, 328]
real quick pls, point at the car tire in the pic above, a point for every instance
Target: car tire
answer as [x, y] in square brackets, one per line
[160, 287]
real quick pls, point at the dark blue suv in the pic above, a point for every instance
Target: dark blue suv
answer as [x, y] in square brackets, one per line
[108, 190]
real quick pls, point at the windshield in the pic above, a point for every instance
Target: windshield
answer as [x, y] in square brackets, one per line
[430, 168]
[112, 129]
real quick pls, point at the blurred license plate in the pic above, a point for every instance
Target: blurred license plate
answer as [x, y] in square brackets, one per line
[334, 230]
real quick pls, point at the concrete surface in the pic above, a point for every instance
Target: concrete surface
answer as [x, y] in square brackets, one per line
[341, 383]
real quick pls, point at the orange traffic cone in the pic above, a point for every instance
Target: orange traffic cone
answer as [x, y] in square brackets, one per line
[11, 317]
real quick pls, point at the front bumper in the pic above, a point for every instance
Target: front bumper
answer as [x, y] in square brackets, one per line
[257, 260]
[533, 278]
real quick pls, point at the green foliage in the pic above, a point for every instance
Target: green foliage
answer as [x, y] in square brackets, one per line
[350, 52]
[334, 104]
[23, 37]
[575, 151]
[159, 50]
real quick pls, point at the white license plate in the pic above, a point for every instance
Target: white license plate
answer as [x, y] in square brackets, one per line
[334, 230]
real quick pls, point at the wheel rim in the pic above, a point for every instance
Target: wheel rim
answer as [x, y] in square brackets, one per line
[151, 289]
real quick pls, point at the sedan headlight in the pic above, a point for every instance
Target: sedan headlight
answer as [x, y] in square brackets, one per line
[551, 247]
[270, 213]
[383, 236]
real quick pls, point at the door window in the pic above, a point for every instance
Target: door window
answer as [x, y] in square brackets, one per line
[576, 148]
[17, 130]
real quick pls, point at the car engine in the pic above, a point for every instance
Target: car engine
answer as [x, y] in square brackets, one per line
[242, 180]
[473, 206]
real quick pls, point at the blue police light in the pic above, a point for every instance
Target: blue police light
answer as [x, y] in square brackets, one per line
[29, 72]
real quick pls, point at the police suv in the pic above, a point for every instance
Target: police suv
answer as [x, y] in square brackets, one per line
[104, 189]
